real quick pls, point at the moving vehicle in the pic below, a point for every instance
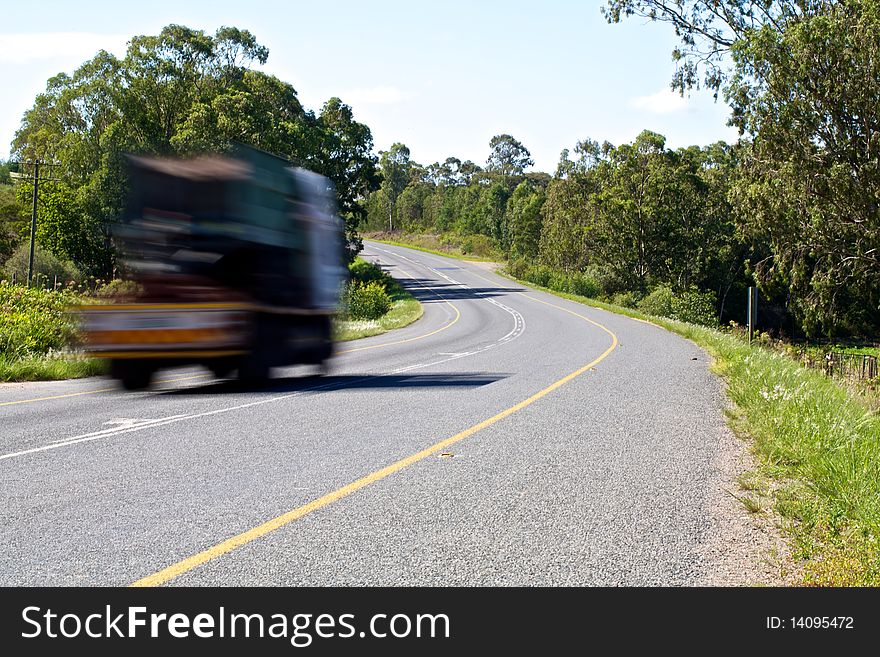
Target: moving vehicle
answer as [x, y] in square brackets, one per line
[240, 263]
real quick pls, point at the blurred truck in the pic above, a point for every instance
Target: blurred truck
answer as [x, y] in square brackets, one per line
[240, 263]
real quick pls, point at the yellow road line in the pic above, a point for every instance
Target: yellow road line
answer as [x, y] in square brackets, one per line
[92, 392]
[175, 570]
[418, 337]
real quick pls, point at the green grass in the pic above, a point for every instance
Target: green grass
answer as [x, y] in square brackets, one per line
[36, 327]
[815, 441]
[405, 309]
[50, 367]
[444, 245]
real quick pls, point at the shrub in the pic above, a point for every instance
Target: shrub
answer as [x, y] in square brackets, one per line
[658, 302]
[626, 299]
[558, 281]
[34, 321]
[46, 266]
[606, 278]
[477, 245]
[696, 307]
[118, 288]
[582, 284]
[585, 285]
[365, 272]
[517, 268]
[366, 300]
[539, 275]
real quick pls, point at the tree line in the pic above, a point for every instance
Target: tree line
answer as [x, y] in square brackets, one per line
[177, 93]
[793, 206]
[629, 218]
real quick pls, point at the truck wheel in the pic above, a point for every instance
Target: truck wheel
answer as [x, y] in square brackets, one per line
[134, 375]
[253, 370]
[221, 367]
[326, 349]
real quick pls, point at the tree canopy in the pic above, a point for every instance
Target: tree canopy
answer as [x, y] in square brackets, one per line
[803, 81]
[180, 92]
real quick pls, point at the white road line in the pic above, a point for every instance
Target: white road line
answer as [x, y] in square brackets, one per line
[519, 323]
[516, 331]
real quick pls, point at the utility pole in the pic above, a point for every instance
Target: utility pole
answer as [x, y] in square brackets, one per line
[33, 222]
[36, 179]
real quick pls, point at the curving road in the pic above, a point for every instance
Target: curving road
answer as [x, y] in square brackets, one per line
[509, 437]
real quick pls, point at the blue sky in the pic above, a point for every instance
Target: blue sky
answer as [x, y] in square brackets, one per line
[441, 77]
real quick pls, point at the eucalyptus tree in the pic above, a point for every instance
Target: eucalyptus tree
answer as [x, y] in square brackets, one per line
[179, 92]
[508, 158]
[803, 80]
[396, 166]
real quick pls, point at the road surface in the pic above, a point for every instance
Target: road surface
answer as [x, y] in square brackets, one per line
[509, 437]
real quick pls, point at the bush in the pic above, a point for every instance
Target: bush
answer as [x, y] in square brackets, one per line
[517, 268]
[539, 275]
[695, 307]
[626, 299]
[658, 302]
[585, 285]
[582, 284]
[46, 267]
[558, 281]
[365, 272]
[477, 245]
[34, 321]
[118, 288]
[606, 278]
[366, 300]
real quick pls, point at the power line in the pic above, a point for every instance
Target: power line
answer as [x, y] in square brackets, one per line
[36, 178]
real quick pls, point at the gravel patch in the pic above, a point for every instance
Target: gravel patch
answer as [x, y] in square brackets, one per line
[744, 547]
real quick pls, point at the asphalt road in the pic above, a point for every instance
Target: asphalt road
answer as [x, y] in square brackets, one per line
[508, 437]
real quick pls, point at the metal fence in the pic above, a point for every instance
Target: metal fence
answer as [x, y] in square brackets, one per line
[852, 367]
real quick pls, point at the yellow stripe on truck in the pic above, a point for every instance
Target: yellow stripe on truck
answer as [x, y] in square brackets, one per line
[179, 353]
[165, 306]
[157, 336]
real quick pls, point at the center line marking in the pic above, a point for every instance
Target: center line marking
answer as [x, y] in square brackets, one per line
[190, 563]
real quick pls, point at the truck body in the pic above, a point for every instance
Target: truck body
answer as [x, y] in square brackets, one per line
[240, 264]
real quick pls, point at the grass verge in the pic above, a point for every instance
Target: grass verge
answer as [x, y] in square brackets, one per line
[405, 309]
[36, 326]
[50, 368]
[817, 446]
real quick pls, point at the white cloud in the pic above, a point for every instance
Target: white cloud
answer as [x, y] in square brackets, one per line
[374, 96]
[74, 46]
[664, 101]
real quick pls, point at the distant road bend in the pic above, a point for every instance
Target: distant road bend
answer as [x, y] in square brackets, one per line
[509, 437]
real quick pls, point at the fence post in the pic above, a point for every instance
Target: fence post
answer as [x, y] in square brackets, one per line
[752, 311]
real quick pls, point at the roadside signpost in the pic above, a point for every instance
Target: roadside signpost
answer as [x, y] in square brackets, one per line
[752, 311]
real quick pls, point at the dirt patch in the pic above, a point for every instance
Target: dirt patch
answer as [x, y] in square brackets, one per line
[745, 546]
